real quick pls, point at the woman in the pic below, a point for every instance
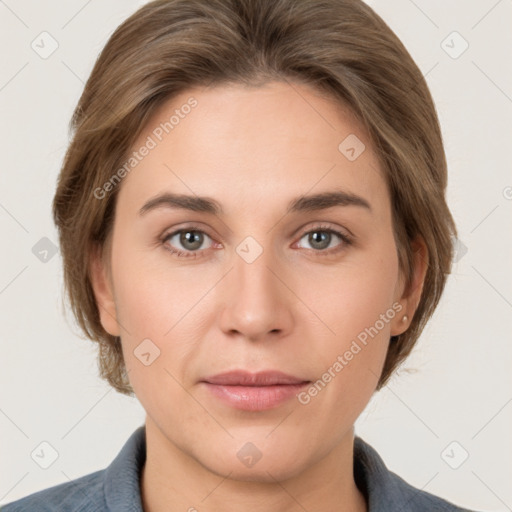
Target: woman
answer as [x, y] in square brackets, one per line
[253, 224]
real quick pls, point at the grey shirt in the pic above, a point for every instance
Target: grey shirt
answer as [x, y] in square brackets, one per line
[117, 488]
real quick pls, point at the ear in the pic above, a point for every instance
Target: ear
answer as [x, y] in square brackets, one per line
[103, 291]
[411, 295]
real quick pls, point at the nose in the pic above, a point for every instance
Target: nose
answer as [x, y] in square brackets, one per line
[257, 302]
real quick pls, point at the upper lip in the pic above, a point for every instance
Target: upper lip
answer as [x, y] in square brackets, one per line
[245, 378]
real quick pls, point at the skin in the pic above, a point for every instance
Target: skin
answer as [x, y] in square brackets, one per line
[294, 308]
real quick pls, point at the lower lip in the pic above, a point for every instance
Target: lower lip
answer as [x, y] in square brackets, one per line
[255, 398]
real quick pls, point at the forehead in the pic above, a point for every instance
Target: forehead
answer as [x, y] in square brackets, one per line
[260, 145]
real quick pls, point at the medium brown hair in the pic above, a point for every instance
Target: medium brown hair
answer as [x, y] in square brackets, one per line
[339, 47]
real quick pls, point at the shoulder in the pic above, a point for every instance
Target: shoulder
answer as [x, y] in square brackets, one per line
[386, 491]
[113, 488]
[84, 494]
[418, 500]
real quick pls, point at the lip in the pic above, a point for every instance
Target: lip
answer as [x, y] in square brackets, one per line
[245, 378]
[254, 391]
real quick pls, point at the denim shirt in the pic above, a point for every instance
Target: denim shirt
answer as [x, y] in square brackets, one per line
[117, 488]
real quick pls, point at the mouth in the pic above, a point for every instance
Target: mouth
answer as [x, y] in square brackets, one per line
[254, 391]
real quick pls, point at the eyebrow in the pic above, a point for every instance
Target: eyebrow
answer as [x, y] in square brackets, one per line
[309, 203]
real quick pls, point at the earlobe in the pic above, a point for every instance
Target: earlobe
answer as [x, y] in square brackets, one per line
[103, 291]
[412, 294]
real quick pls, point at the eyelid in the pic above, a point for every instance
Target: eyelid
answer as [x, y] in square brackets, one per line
[325, 225]
[191, 227]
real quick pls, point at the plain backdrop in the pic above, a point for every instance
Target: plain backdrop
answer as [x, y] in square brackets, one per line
[444, 427]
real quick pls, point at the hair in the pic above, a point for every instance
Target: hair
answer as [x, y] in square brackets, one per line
[341, 48]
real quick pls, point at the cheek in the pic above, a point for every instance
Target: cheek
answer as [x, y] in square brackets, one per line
[152, 291]
[355, 304]
[351, 297]
[160, 323]
[168, 305]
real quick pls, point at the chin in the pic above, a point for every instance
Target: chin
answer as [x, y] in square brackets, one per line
[255, 461]
[263, 472]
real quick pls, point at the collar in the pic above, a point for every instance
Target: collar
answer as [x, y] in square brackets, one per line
[384, 490]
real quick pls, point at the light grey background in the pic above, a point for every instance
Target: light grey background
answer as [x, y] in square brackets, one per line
[461, 389]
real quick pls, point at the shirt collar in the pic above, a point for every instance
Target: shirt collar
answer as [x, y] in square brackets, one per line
[122, 478]
[381, 487]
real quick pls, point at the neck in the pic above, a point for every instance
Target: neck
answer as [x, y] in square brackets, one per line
[173, 480]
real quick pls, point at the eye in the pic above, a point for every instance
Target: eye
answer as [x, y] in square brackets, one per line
[189, 242]
[321, 238]
[189, 239]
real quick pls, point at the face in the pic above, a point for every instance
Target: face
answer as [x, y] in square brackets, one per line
[266, 283]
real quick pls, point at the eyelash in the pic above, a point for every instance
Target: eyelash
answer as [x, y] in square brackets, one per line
[347, 241]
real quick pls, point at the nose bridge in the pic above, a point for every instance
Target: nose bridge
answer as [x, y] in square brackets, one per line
[256, 303]
[252, 274]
